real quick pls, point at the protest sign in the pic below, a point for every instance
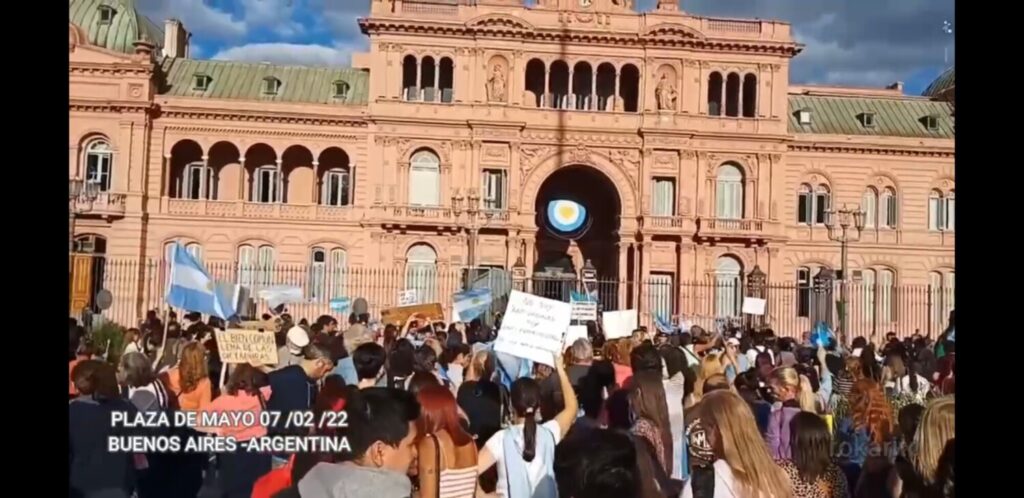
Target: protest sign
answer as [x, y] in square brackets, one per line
[533, 327]
[398, 315]
[246, 346]
[407, 297]
[276, 295]
[584, 311]
[575, 332]
[619, 323]
[753, 306]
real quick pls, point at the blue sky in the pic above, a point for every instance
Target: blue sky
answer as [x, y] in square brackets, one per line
[849, 42]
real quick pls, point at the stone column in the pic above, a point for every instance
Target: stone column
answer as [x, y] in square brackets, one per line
[722, 106]
[419, 79]
[592, 105]
[615, 98]
[545, 100]
[241, 179]
[623, 277]
[315, 199]
[571, 95]
[280, 182]
[203, 194]
[437, 80]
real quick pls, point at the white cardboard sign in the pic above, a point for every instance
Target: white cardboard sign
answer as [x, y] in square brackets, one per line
[407, 298]
[584, 311]
[575, 332]
[753, 306]
[619, 323]
[533, 327]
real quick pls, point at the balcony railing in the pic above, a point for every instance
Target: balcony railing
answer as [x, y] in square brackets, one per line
[664, 221]
[725, 226]
[315, 212]
[243, 209]
[106, 204]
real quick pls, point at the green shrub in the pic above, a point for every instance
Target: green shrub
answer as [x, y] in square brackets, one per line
[112, 334]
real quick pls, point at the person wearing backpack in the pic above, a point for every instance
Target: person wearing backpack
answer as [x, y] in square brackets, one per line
[524, 452]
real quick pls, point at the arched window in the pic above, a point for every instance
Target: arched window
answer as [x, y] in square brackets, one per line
[942, 286]
[99, 164]
[869, 204]
[193, 185]
[425, 179]
[335, 187]
[715, 94]
[410, 85]
[941, 211]
[729, 193]
[629, 88]
[732, 95]
[728, 289]
[534, 84]
[195, 250]
[805, 296]
[558, 85]
[428, 78]
[887, 216]
[446, 80]
[255, 266]
[812, 206]
[868, 295]
[326, 273]
[265, 184]
[749, 96]
[421, 272]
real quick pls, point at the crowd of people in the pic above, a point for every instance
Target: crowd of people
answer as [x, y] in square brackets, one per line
[433, 411]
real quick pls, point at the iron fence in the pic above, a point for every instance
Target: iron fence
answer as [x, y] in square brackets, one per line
[790, 308]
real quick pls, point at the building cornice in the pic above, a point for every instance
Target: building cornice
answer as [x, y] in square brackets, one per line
[111, 106]
[375, 26]
[836, 148]
[263, 116]
[261, 132]
[107, 69]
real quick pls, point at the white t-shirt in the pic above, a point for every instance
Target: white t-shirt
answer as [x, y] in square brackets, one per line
[535, 469]
[725, 483]
[903, 385]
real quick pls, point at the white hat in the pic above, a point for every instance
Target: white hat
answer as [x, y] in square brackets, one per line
[298, 337]
[856, 352]
[732, 341]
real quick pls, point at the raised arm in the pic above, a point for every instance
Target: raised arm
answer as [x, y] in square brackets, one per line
[567, 416]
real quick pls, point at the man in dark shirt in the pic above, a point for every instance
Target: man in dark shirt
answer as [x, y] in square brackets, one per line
[294, 387]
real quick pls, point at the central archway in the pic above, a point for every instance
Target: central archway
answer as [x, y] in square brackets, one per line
[561, 255]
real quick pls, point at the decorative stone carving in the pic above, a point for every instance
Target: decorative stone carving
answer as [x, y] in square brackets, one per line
[665, 93]
[579, 154]
[688, 154]
[625, 159]
[663, 159]
[497, 89]
[776, 158]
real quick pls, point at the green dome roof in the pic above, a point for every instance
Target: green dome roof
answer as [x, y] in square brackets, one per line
[945, 82]
[118, 32]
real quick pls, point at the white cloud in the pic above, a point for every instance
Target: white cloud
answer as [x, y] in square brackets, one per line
[276, 15]
[288, 53]
[199, 18]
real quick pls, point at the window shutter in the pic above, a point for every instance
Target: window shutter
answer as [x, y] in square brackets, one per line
[868, 201]
[803, 208]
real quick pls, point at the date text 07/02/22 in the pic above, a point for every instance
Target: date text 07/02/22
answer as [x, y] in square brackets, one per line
[297, 419]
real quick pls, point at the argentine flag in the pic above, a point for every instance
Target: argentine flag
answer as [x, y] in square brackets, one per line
[472, 303]
[663, 325]
[192, 289]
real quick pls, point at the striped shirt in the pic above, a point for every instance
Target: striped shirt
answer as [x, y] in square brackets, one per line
[457, 483]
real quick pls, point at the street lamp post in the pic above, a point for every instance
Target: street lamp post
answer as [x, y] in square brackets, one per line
[838, 223]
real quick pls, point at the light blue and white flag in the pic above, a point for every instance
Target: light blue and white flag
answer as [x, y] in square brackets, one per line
[192, 288]
[472, 303]
[583, 297]
[663, 325]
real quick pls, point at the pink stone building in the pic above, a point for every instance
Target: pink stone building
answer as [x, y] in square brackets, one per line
[440, 148]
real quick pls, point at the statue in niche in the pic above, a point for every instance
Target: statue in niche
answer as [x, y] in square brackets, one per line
[496, 85]
[665, 94]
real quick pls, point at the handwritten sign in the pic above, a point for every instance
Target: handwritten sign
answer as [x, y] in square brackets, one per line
[398, 315]
[245, 346]
[533, 327]
[753, 306]
[575, 333]
[407, 297]
[584, 311]
[619, 323]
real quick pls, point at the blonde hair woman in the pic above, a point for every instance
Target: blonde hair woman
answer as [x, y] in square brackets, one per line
[742, 466]
[793, 394]
[937, 428]
[710, 366]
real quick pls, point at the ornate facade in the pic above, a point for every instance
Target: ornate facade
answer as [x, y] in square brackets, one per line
[438, 145]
